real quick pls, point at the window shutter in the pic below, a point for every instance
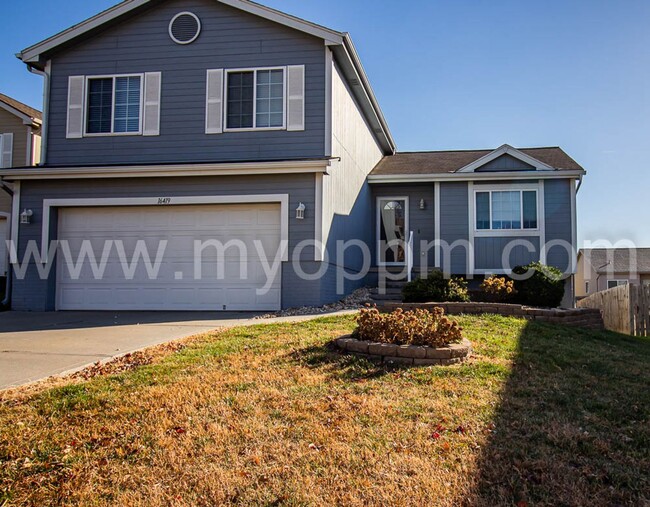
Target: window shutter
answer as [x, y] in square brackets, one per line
[151, 114]
[296, 97]
[7, 150]
[75, 106]
[214, 102]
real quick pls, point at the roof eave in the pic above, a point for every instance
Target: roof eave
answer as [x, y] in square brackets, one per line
[488, 176]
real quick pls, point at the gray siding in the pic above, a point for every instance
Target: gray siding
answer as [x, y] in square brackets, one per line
[454, 223]
[488, 252]
[32, 293]
[229, 39]
[506, 163]
[557, 208]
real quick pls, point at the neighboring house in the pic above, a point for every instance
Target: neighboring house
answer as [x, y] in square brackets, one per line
[224, 119]
[20, 146]
[604, 268]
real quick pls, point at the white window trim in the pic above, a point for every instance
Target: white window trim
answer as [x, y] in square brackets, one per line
[1, 142]
[111, 134]
[507, 232]
[283, 199]
[378, 226]
[619, 282]
[254, 71]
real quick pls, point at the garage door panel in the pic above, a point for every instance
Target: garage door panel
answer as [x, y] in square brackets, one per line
[174, 286]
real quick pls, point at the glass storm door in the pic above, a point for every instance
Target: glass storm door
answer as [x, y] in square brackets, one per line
[392, 224]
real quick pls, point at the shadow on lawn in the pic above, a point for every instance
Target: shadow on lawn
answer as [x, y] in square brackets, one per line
[338, 364]
[572, 427]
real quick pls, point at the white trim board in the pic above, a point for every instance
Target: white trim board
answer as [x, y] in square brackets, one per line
[503, 150]
[476, 176]
[175, 170]
[33, 53]
[283, 199]
[15, 213]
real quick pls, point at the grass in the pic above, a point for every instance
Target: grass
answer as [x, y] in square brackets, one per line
[272, 415]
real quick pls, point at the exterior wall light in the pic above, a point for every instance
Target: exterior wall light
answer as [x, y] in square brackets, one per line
[300, 211]
[423, 204]
[26, 216]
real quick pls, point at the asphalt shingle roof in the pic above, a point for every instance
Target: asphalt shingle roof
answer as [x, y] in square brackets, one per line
[23, 108]
[622, 259]
[437, 162]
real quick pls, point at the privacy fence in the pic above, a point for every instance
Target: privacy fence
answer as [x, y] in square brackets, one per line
[625, 309]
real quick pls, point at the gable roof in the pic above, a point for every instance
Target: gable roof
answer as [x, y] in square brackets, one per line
[14, 106]
[447, 162]
[339, 42]
[619, 257]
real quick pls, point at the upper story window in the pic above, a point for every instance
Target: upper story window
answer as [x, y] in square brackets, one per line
[114, 105]
[255, 99]
[506, 210]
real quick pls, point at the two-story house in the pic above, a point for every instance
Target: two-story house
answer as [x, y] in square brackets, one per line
[20, 146]
[246, 138]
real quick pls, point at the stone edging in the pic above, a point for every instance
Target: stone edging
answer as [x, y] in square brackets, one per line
[417, 355]
[577, 317]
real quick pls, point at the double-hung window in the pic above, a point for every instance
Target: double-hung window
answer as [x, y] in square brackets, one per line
[499, 210]
[615, 283]
[255, 99]
[114, 105]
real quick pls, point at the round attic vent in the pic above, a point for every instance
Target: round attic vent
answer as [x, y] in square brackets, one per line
[184, 28]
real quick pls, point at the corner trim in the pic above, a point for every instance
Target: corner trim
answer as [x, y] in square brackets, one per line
[437, 222]
[319, 247]
[15, 213]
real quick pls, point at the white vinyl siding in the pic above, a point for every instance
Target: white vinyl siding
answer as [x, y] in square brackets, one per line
[255, 99]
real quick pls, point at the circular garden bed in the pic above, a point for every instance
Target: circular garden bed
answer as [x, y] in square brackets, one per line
[419, 355]
[417, 337]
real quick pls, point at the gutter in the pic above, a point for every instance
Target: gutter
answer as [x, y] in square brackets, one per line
[46, 106]
[475, 176]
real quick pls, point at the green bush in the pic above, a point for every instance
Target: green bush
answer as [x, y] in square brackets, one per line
[435, 287]
[545, 287]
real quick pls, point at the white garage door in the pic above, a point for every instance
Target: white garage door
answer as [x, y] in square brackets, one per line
[4, 236]
[117, 231]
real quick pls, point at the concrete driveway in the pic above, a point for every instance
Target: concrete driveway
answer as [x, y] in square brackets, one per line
[37, 345]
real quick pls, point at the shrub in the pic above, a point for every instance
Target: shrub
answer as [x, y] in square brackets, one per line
[435, 287]
[498, 288]
[413, 327]
[545, 287]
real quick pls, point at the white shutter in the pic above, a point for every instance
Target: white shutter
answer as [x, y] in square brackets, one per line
[296, 97]
[214, 102]
[151, 114]
[7, 147]
[75, 107]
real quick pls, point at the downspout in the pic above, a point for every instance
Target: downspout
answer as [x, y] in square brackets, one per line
[4, 304]
[46, 107]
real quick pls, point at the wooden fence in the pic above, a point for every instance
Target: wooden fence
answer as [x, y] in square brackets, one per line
[625, 309]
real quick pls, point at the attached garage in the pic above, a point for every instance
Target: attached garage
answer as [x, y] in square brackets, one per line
[115, 233]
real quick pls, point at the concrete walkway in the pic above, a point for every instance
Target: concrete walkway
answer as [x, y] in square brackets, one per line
[36, 345]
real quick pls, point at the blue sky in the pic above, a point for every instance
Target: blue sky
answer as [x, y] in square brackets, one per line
[461, 74]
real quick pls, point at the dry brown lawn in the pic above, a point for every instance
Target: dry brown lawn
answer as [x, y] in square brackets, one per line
[273, 415]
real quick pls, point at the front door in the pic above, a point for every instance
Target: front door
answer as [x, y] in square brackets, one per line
[392, 224]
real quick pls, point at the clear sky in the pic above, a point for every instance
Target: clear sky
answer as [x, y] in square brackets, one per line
[461, 74]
